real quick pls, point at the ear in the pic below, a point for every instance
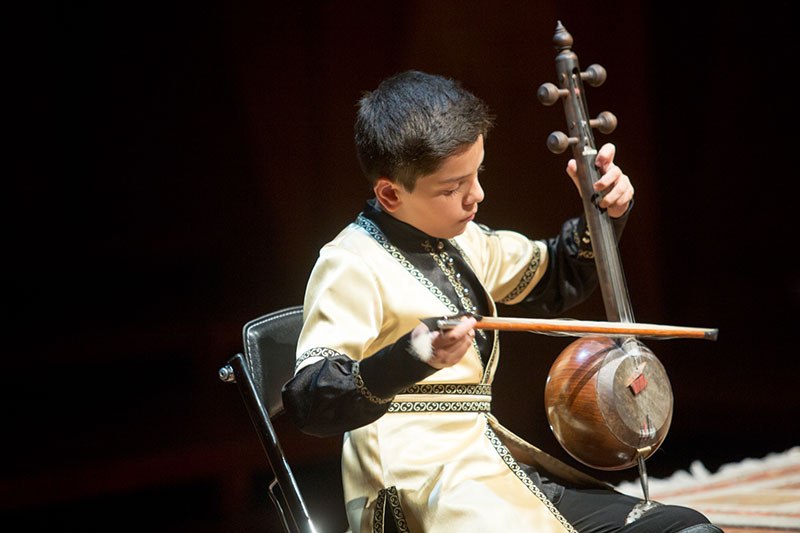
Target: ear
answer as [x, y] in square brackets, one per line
[386, 193]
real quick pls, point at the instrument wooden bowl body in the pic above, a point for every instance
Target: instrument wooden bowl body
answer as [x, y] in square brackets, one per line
[608, 401]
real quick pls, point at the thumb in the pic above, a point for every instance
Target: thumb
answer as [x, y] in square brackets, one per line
[572, 171]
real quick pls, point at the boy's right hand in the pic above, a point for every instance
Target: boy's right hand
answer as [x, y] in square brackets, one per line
[448, 347]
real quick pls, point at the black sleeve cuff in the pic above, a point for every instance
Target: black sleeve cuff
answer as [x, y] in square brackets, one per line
[393, 368]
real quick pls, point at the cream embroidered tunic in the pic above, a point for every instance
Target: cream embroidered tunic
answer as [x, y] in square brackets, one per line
[437, 460]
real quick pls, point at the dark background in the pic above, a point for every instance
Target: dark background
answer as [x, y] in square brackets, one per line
[175, 168]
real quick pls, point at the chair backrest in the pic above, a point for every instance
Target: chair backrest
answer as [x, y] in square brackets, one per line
[267, 363]
[270, 342]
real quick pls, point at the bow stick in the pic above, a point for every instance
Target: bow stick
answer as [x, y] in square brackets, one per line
[579, 327]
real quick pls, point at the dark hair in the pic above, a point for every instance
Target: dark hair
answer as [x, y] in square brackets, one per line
[412, 122]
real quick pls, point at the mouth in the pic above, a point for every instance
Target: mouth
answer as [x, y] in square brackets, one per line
[469, 218]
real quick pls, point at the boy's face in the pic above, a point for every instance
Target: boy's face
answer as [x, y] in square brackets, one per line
[442, 203]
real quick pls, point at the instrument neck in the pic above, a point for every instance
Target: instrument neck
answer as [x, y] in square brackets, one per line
[604, 243]
[611, 277]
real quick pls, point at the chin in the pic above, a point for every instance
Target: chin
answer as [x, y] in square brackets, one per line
[455, 233]
[452, 231]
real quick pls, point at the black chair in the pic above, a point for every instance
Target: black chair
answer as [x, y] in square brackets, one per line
[268, 362]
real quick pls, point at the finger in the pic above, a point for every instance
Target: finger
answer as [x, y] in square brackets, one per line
[612, 196]
[450, 354]
[572, 168]
[620, 205]
[460, 331]
[611, 177]
[458, 338]
[572, 171]
[605, 156]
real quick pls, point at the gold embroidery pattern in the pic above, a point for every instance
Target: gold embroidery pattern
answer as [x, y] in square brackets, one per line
[445, 263]
[375, 232]
[327, 353]
[463, 254]
[362, 388]
[530, 272]
[509, 460]
[440, 407]
[449, 388]
[582, 242]
[490, 364]
[397, 511]
[379, 519]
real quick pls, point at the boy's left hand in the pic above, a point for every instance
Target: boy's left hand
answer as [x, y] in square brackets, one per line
[616, 187]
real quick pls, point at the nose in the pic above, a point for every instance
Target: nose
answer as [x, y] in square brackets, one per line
[475, 195]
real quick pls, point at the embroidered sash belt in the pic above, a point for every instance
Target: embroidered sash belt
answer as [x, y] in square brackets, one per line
[455, 398]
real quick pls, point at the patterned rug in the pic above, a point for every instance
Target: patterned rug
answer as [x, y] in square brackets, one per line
[754, 495]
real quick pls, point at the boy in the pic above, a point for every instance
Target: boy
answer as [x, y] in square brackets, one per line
[422, 451]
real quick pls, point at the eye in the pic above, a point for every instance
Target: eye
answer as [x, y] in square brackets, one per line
[455, 188]
[451, 192]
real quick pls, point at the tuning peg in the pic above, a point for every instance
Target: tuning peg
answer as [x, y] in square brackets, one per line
[557, 142]
[606, 122]
[549, 94]
[595, 75]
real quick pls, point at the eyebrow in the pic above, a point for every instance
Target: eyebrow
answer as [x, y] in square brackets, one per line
[447, 181]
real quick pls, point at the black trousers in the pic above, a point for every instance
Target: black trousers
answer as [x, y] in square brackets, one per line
[605, 511]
